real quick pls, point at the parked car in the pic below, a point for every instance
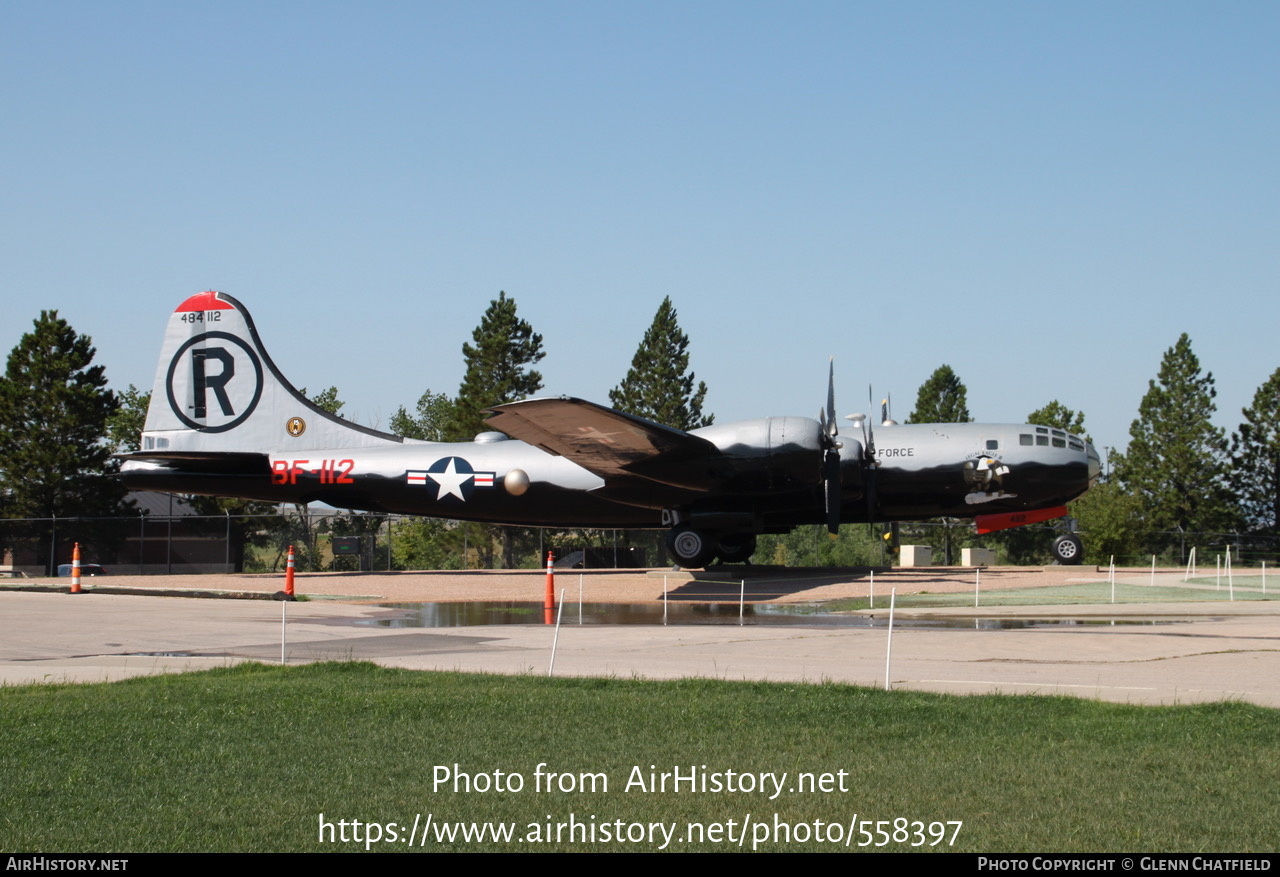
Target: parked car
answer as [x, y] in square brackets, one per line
[86, 569]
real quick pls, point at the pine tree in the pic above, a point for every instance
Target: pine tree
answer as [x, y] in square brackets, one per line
[497, 368]
[941, 399]
[1176, 462]
[54, 410]
[657, 386]
[1255, 458]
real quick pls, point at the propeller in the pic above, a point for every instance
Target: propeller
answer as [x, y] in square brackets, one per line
[831, 470]
[869, 462]
[831, 481]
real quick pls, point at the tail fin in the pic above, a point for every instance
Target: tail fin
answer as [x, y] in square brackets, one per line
[217, 390]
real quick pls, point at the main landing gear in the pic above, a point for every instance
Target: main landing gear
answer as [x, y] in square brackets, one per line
[694, 548]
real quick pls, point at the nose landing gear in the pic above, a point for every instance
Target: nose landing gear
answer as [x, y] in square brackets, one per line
[1068, 550]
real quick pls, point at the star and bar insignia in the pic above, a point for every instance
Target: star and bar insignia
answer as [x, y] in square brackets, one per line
[453, 476]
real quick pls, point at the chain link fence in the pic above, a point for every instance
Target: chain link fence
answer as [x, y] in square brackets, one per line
[151, 544]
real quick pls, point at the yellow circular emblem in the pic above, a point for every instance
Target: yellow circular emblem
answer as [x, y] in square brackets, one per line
[296, 426]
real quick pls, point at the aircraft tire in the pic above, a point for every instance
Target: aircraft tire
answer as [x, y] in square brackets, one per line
[737, 547]
[690, 547]
[1068, 550]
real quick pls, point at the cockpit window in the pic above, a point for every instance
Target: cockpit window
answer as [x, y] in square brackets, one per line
[1025, 439]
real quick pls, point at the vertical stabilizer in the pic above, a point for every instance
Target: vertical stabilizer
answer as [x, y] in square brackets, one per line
[216, 389]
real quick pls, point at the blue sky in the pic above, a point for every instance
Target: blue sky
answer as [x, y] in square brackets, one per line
[1043, 196]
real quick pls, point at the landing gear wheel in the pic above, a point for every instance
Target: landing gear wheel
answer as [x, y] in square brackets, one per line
[1068, 550]
[737, 547]
[691, 548]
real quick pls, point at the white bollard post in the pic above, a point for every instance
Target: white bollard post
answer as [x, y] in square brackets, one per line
[888, 651]
[555, 639]
[1231, 585]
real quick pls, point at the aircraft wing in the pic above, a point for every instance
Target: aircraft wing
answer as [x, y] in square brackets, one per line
[602, 440]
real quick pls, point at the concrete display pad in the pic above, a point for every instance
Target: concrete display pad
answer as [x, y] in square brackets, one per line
[1204, 652]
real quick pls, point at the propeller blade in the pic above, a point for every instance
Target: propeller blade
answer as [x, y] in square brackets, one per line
[870, 488]
[831, 396]
[831, 488]
[870, 444]
[869, 462]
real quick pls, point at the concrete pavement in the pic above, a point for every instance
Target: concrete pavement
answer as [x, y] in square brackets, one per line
[1201, 653]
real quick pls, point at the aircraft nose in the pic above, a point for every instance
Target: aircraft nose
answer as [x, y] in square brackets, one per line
[1095, 463]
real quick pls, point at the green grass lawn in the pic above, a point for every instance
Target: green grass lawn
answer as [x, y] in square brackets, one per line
[248, 758]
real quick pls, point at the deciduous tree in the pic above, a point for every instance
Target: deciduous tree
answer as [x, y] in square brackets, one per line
[430, 421]
[941, 399]
[326, 400]
[1111, 522]
[1059, 416]
[124, 427]
[659, 385]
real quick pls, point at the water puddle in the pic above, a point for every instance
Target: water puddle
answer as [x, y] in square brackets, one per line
[786, 615]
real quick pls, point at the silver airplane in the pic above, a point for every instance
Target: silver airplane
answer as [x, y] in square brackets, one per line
[223, 421]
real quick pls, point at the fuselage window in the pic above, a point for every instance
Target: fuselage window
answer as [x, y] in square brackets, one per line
[1025, 439]
[993, 444]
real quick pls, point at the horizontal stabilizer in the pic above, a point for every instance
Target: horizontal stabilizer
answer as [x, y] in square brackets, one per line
[247, 463]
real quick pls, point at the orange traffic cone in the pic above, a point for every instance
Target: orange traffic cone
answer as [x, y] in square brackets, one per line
[75, 569]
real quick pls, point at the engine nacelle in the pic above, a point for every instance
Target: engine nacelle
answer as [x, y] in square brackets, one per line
[767, 454]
